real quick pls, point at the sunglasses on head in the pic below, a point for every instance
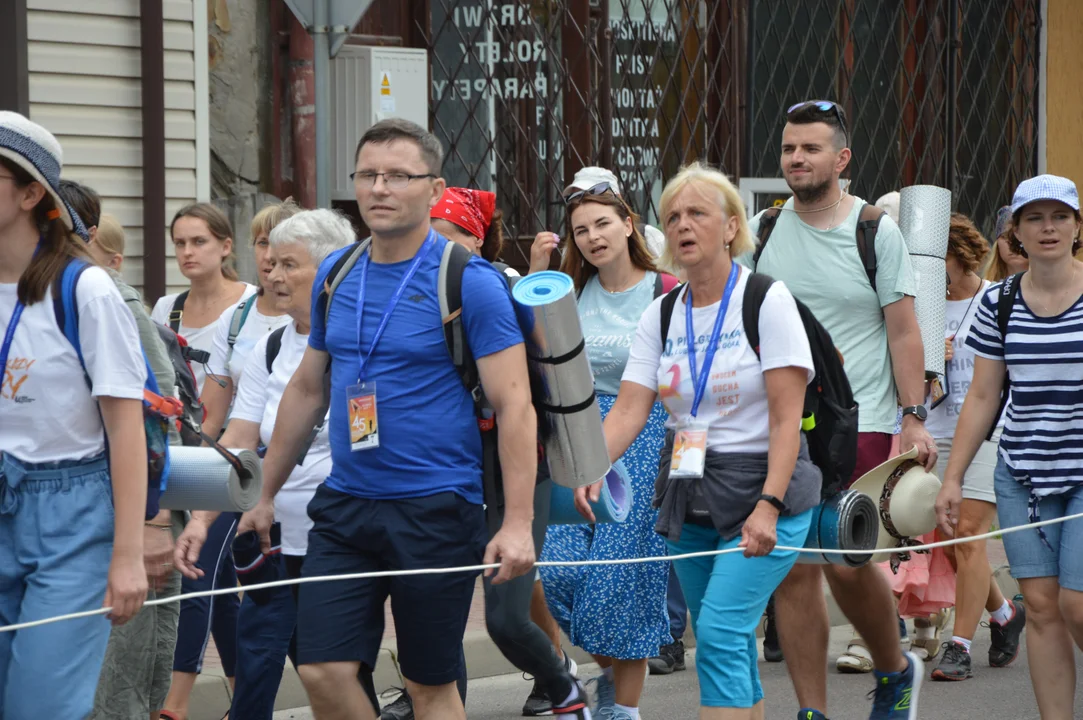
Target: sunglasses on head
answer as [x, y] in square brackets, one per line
[600, 189]
[822, 106]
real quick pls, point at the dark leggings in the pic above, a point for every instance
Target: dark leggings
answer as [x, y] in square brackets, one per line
[507, 610]
[202, 617]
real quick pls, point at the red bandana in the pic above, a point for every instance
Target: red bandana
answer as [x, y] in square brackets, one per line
[472, 210]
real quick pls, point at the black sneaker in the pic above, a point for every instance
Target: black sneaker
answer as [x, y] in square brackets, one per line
[1005, 638]
[955, 664]
[401, 708]
[538, 702]
[670, 658]
[772, 651]
[579, 708]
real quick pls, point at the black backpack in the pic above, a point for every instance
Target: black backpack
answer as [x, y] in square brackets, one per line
[867, 225]
[185, 383]
[829, 419]
[1005, 303]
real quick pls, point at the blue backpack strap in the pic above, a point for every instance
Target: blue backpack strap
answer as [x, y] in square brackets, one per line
[66, 308]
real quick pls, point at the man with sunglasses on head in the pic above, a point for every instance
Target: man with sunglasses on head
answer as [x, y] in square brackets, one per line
[405, 489]
[870, 315]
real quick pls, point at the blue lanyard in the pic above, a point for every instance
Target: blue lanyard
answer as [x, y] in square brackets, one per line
[422, 252]
[700, 384]
[9, 337]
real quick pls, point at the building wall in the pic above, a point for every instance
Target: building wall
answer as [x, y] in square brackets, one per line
[84, 66]
[1063, 25]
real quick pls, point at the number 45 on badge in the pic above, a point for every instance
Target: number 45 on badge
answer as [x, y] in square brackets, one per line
[361, 404]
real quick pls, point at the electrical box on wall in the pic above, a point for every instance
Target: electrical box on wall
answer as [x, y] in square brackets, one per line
[369, 84]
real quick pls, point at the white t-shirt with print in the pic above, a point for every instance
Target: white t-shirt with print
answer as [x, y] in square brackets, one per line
[735, 401]
[257, 401]
[958, 317]
[199, 338]
[47, 413]
[256, 326]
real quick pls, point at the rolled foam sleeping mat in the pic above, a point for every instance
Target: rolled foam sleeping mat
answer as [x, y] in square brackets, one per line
[574, 443]
[847, 521]
[201, 479]
[613, 504]
[925, 220]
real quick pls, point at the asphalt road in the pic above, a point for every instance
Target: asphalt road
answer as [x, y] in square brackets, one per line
[993, 694]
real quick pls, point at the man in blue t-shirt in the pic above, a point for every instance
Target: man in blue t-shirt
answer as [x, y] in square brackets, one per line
[405, 490]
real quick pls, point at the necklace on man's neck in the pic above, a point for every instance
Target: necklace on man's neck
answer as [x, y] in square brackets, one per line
[821, 209]
[834, 212]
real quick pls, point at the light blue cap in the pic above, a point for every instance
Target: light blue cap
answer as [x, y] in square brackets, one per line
[1046, 187]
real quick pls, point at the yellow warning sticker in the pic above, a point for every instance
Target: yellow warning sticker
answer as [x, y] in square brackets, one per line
[385, 83]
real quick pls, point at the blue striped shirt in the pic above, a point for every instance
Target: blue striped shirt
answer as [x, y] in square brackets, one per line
[1042, 442]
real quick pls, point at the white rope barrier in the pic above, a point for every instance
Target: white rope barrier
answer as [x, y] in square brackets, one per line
[575, 563]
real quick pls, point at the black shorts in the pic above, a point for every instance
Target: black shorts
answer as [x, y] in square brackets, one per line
[343, 621]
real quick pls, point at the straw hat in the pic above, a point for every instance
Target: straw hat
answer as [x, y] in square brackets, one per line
[905, 495]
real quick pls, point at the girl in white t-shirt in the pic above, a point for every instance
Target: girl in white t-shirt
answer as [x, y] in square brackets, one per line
[203, 241]
[740, 412]
[298, 245]
[254, 318]
[71, 513]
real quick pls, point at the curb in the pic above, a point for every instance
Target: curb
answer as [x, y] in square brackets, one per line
[210, 696]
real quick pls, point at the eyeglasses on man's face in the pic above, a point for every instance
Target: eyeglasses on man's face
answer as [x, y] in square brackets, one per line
[393, 180]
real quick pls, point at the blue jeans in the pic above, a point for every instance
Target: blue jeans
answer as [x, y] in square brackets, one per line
[727, 595]
[56, 542]
[202, 617]
[1028, 556]
[265, 638]
[676, 606]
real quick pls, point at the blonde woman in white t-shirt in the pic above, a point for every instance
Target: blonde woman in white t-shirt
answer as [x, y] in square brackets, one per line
[253, 319]
[73, 461]
[203, 241]
[737, 410]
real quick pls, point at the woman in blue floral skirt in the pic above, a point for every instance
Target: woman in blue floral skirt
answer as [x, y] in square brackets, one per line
[615, 612]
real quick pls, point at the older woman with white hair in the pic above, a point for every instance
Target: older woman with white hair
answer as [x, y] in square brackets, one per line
[735, 470]
[267, 620]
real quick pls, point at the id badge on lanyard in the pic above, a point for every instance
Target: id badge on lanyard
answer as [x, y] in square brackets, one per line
[361, 398]
[689, 449]
[689, 456]
[361, 403]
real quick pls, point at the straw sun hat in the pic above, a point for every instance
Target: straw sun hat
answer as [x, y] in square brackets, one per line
[905, 496]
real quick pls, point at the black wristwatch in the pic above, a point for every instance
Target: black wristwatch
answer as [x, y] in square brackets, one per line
[917, 411]
[779, 505]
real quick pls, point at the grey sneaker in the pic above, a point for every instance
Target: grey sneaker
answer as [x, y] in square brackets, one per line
[955, 665]
[605, 695]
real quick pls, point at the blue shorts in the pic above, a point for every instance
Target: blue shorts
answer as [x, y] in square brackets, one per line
[343, 621]
[1028, 556]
